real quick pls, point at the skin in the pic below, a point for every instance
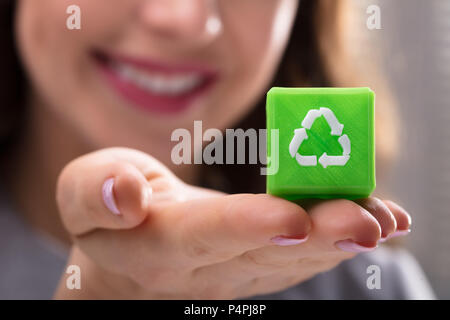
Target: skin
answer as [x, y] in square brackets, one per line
[174, 243]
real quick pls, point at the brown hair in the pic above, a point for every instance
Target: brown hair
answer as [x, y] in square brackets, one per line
[315, 56]
[12, 79]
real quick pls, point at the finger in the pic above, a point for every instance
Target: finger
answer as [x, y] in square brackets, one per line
[288, 276]
[343, 225]
[147, 165]
[335, 222]
[219, 228]
[332, 222]
[402, 217]
[194, 233]
[101, 191]
[403, 220]
[382, 213]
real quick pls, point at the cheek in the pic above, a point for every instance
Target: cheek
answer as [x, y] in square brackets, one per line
[262, 35]
[255, 40]
[36, 24]
[52, 54]
[57, 59]
[49, 50]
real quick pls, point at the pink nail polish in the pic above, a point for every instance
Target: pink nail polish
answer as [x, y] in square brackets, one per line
[383, 239]
[288, 241]
[108, 196]
[397, 233]
[147, 195]
[351, 246]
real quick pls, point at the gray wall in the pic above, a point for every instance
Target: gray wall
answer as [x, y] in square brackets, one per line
[414, 47]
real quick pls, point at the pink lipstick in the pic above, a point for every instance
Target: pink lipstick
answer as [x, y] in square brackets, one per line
[155, 86]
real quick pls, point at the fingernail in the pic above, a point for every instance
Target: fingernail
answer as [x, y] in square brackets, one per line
[108, 196]
[397, 233]
[148, 195]
[400, 208]
[351, 246]
[383, 239]
[288, 241]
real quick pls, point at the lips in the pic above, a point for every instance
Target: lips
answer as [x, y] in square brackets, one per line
[155, 86]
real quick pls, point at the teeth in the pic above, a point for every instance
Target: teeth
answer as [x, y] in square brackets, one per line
[176, 84]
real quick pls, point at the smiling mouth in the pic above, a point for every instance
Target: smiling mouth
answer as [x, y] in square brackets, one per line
[155, 86]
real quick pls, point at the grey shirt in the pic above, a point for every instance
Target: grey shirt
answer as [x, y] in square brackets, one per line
[31, 266]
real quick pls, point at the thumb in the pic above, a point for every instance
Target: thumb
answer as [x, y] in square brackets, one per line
[107, 189]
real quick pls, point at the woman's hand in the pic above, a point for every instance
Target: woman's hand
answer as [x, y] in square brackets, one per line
[140, 232]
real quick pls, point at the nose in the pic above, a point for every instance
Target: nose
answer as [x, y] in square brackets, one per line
[191, 20]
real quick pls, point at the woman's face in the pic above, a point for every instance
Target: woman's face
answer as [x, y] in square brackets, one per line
[138, 69]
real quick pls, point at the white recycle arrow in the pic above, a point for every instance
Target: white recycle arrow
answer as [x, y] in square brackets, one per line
[336, 130]
[299, 136]
[336, 127]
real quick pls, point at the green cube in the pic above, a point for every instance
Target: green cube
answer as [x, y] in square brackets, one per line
[326, 142]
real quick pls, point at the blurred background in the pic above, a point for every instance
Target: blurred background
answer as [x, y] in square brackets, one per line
[413, 49]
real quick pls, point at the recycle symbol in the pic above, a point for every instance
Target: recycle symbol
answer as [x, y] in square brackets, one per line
[336, 130]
